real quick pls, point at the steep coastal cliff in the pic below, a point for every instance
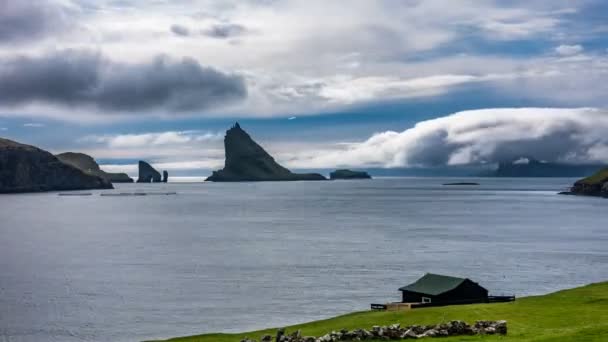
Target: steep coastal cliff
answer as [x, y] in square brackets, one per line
[25, 168]
[246, 161]
[88, 165]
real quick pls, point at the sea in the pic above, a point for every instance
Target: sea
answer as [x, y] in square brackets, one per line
[190, 258]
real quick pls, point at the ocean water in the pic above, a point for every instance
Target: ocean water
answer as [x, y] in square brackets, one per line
[234, 257]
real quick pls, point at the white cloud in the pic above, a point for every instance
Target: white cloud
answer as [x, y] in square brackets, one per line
[569, 50]
[33, 125]
[153, 140]
[480, 136]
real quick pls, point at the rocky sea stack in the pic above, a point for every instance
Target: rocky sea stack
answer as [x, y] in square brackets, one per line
[147, 174]
[25, 168]
[88, 165]
[349, 174]
[246, 161]
[595, 185]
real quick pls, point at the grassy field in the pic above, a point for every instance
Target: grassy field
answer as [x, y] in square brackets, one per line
[579, 314]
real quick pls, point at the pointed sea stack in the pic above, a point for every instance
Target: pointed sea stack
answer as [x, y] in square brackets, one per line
[88, 165]
[147, 174]
[25, 168]
[246, 161]
[165, 176]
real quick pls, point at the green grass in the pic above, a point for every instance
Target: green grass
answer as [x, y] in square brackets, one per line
[579, 314]
[598, 177]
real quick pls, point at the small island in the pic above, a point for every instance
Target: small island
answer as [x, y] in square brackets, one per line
[349, 174]
[594, 185]
[461, 183]
[246, 161]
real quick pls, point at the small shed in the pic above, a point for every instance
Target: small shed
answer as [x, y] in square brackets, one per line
[441, 289]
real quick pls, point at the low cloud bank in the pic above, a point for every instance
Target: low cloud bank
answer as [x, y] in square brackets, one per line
[479, 137]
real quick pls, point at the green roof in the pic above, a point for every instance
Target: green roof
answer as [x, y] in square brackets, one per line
[433, 284]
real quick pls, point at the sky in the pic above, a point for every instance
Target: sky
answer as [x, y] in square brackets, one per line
[320, 84]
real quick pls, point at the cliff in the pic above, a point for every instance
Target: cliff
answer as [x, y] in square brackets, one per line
[246, 161]
[25, 168]
[349, 174]
[88, 165]
[595, 185]
[147, 174]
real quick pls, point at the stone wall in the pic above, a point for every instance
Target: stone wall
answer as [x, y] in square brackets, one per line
[394, 332]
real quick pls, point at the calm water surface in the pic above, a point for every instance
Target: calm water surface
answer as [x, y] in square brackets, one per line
[233, 257]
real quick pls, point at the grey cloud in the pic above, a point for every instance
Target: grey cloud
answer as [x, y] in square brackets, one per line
[180, 30]
[223, 31]
[23, 21]
[82, 78]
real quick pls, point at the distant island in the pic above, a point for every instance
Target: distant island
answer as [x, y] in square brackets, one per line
[349, 174]
[25, 168]
[530, 167]
[148, 174]
[594, 185]
[88, 165]
[246, 161]
[461, 183]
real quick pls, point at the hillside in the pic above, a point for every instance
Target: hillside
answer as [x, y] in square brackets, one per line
[579, 314]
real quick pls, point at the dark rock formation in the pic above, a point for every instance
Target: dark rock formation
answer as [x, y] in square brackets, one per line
[25, 168]
[529, 167]
[462, 183]
[165, 176]
[246, 161]
[88, 165]
[349, 174]
[595, 185]
[147, 174]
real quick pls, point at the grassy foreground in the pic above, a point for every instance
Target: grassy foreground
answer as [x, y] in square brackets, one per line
[579, 314]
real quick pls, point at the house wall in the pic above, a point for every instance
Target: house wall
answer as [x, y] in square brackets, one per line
[413, 297]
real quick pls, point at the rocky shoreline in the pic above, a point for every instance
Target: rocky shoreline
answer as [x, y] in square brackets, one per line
[595, 185]
[394, 332]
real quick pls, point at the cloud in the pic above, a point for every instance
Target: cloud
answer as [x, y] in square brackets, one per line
[23, 21]
[153, 140]
[225, 30]
[180, 30]
[479, 137]
[33, 125]
[3, 129]
[569, 50]
[80, 78]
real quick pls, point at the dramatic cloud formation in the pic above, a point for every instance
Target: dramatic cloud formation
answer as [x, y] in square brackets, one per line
[481, 136]
[81, 78]
[24, 21]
